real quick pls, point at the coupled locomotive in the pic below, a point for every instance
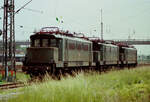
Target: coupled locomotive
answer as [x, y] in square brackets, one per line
[54, 51]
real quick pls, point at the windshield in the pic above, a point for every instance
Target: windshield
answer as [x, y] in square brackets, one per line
[37, 43]
[45, 43]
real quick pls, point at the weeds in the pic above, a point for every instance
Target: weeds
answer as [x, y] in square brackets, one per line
[116, 86]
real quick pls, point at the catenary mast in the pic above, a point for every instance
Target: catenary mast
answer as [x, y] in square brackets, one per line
[9, 38]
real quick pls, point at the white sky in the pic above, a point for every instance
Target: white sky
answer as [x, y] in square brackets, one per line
[121, 18]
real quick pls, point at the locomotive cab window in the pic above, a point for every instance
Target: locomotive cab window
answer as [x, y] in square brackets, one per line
[55, 42]
[45, 43]
[37, 42]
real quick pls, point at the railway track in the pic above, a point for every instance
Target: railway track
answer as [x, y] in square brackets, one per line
[12, 85]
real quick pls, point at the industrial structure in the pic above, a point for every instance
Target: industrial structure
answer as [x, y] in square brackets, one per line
[133, 41]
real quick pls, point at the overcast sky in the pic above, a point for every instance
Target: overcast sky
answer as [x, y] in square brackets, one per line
[122, 19]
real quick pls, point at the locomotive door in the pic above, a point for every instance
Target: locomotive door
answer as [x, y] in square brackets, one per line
[66, 50]
[101, 53]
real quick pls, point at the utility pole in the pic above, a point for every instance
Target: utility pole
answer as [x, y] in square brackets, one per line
[101, 25]
[9, 39]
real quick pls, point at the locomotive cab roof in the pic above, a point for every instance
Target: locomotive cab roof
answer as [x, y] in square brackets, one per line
[37, 36]
[57, 34]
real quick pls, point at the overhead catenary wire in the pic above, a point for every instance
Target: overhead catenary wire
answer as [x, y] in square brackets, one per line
[22, 7]
[33, 10]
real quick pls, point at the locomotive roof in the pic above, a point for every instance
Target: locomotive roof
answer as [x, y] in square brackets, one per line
[72, 38]
[59, 36]
[55, 32]
[129, 48]
[111, 45]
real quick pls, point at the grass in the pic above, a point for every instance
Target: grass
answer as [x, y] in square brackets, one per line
[116, 86]
[21, 77]
[1, 81]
